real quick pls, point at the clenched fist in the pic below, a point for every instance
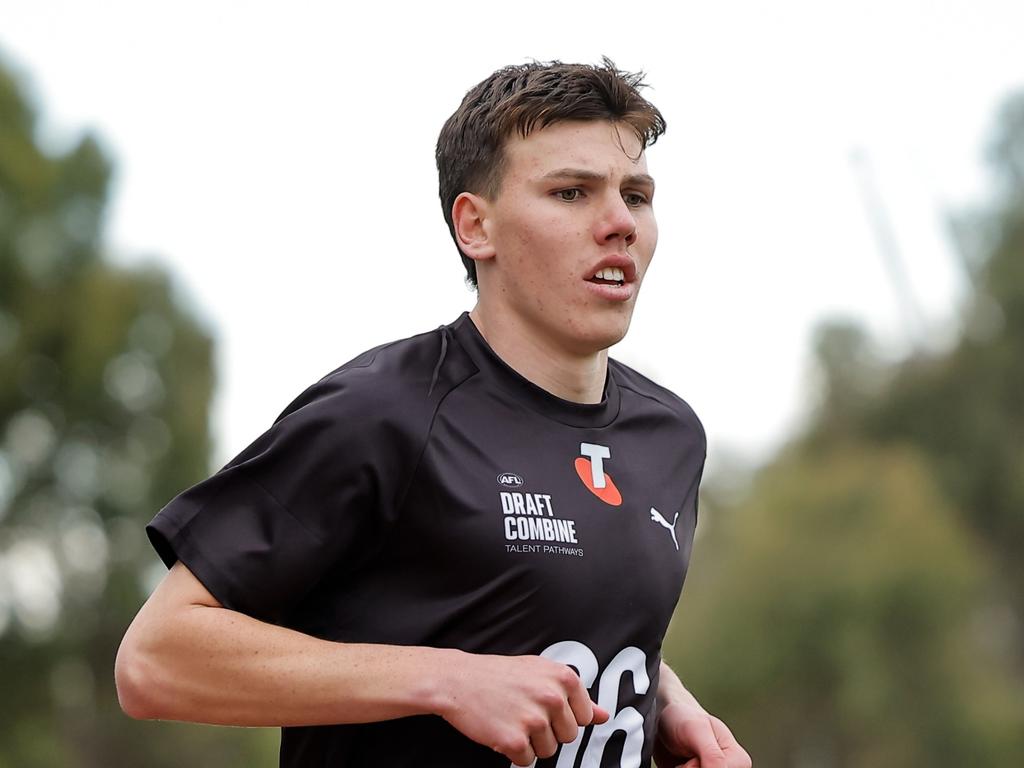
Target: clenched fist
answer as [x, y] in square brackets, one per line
[520, 706]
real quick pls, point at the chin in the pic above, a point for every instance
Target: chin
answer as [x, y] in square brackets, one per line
[603, 334]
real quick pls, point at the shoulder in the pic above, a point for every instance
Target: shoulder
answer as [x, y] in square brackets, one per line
[399, 382]
[655, 395]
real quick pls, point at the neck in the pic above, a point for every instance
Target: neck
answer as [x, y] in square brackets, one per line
[577, 378]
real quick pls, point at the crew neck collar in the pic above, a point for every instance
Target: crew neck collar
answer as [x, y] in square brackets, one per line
[593, 415]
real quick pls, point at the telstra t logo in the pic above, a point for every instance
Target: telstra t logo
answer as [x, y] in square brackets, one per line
[590, 468]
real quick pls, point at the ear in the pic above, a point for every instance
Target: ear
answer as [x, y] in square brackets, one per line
[469, 216]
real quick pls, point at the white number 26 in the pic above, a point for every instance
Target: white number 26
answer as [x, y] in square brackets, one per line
[627, 719]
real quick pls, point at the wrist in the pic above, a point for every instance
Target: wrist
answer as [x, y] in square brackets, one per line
[438, 693]
[671, 691]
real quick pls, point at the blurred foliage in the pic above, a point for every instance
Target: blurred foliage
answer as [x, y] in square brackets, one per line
[105, 384]
[861, 604]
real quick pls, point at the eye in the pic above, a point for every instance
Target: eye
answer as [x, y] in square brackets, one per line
[569, 195]
[634, 199]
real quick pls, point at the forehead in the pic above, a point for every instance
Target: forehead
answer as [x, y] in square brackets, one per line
[600, 146]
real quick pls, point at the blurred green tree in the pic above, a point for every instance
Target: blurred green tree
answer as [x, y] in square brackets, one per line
[836, 619]
[105, 384]
[862, 604]
[965, 410]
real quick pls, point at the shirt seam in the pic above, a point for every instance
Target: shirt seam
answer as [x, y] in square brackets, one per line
[426, 442]
[653, 399]
[280, 504]
[273, 427]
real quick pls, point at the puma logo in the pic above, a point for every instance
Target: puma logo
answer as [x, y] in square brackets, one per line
[657, 518]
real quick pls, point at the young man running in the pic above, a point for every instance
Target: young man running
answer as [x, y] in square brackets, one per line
[463, 548]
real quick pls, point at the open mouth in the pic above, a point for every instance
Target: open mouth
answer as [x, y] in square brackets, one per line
[609, 276]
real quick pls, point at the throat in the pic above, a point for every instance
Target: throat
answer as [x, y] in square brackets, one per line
[533, 356]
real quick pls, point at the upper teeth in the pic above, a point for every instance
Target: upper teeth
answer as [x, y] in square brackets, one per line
[611, 273]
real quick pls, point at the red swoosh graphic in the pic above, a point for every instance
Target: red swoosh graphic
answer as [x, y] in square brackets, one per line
[609, 494]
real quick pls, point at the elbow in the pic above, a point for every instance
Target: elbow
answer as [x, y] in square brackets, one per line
[135, 684]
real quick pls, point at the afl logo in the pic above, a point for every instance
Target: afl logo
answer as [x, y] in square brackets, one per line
[510, 480]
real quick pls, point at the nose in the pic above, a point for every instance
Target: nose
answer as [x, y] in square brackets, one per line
[617, 221]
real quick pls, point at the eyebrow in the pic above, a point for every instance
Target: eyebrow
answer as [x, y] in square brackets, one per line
[585, 175]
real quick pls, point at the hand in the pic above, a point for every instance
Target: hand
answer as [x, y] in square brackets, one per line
[520, 706]
[688, 737]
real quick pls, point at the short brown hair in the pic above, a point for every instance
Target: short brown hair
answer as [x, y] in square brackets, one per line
[521, 99]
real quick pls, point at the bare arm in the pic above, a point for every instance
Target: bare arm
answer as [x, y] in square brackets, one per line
[672, 690]
[185, 657]
[688, 736]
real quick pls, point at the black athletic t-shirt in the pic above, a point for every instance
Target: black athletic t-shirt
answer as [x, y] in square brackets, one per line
[427, 494]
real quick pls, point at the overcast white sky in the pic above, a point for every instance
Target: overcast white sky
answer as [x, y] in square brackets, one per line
[278, 157]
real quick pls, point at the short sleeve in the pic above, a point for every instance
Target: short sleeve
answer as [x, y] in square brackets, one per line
[314, 493]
